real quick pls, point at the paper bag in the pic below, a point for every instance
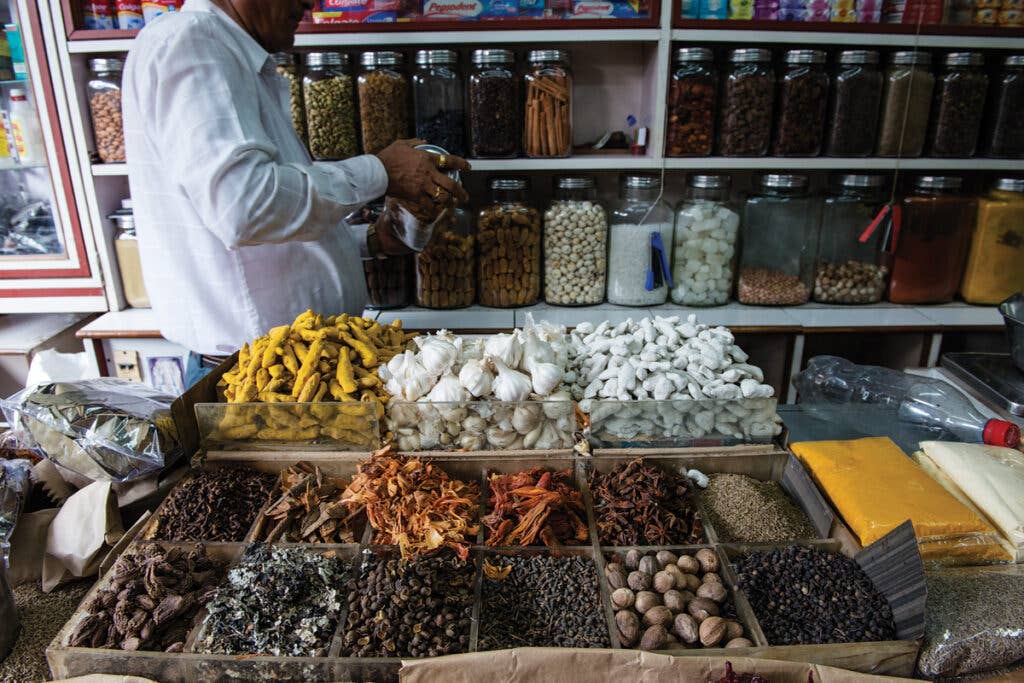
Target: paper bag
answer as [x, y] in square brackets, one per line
[81, 535]
[28, 546]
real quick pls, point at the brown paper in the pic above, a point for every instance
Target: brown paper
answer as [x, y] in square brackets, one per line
[612, 666]
[28, 546]
[105, 678]
[127, 492]
[81, 535]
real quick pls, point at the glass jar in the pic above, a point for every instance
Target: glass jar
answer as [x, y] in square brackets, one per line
[745, 117]
[445, 267]
[639, 260]
[383, 100]
[547, 130]
[803, 96]
[691, 104]
[509, 243]
[575, 244]
[330, 101]
[388, 278]
[493, 105]
[959, 103]
[104, 92]
[126, 249]
[851, 271]
[706, 230]
[906, 100]
[438, 100]
[289, 71]
[1006, 124]
[995, 263]
[930, 250]
[780, 233]
[854, 107]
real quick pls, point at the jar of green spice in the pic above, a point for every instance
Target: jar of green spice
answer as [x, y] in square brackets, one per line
[329, 92]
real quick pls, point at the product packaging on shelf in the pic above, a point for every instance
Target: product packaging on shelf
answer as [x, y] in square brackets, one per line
[99, 15]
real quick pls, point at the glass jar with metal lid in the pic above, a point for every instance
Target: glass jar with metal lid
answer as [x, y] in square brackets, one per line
[575, 244]
[706, 232]
[383, 100]
[802, 99]
[330, 99]
[388, 278]
[1006, 122]
[286, 66]
[745, 115]
[692, 101]
[438, 100]
[508, 234]
[854, 105]
[906, 101]
[780, 236]
[446, 268]
[104, 92]
[958, 106]
[852, 270]
[640, 243]
[548, 126]
[126, 248]
[995, 263]
[930, 250]
[494, 131]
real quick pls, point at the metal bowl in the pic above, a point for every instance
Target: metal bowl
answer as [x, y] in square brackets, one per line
[1013, 314]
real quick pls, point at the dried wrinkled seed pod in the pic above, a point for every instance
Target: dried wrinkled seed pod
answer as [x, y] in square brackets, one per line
[633, 559]
[623, 598]
[688, 564]
[665, 558]
[648, 565]
[711, 576]
[658, 615]
[702, 608]
[738, 642]
[654, 638]
[686, 628]
[616, 576]
[646, 600]
[712, 630]
[673, 600]
[629, 626]
[708, 560]
[664, 582]
[639, 580]
[712, 591]
[733, 630]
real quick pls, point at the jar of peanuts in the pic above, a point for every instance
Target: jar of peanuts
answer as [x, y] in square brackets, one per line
[104, 91]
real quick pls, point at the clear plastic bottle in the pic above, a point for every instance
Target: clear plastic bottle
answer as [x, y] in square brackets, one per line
[438, 100]
[900, 400]
[706, 232]
[575, 244]
[28, 138]
[640, 240]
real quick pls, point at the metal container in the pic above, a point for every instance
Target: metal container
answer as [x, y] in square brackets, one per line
[1013, 314]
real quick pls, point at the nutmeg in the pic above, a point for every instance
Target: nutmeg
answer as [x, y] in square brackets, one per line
[639, 581]
[671, 641]
[674, 600]
[711, 576]
[686, 628]
[692, 583]
[648, 565]
[688, 564]
[616, 575]
[712, 630]
[733, 630]
[665, 558]
[677, 574]
[702, 608]
[664, 582]
[654, 638]
[623, 598]
[628, 624]
[712, 591]
[658, 615]
[738, 642]
[708, 560]
[645, 600]
[633, 559]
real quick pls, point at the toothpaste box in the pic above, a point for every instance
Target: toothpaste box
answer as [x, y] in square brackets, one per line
[462, 10]
[690, 9]
[714, 9]
[360, 16]
[605, 9]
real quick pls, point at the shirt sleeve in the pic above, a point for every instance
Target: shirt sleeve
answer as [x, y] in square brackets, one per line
[203, 108]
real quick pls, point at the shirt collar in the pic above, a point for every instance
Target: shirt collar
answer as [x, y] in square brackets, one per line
[254, 53]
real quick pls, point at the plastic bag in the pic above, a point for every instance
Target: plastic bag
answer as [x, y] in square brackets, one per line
[975, 621]
[15, 483]
[104, 429]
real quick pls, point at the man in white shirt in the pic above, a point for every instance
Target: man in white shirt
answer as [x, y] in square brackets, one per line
[239, 231]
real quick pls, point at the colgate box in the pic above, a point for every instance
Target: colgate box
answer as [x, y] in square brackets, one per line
[361, 16]
[604, 9]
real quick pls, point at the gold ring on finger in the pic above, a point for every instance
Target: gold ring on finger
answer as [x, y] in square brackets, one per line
[442, 161]
[438, 191]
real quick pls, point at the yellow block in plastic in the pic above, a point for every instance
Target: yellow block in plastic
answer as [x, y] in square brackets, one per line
[876, 487]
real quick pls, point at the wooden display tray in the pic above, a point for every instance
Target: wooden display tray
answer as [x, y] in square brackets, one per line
[891, 557]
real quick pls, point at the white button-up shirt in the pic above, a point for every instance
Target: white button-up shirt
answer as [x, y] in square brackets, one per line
[238, 229]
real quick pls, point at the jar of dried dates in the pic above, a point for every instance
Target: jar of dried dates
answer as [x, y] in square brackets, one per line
[509, 246]
[745, 123]
[854, 107]
[445, 268]
[692, 100]
[959, 102]
[803, 95]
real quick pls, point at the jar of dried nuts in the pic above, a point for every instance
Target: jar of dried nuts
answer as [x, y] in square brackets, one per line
[803, 95]
[509, 237]
[330, 106]
[691, 104]
[853, 110]
[1006, 127]
[745, 124]
[289, 71]
[780, 236]
[959, 102]
[104, 90]
[388, 278]
[444, 269]
[383, 100]
[849, 270]
[575, 244]
[493, 105]
[548, 84]
[906, 99]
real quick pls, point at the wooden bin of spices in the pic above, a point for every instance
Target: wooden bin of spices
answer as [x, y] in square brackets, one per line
[548, 85]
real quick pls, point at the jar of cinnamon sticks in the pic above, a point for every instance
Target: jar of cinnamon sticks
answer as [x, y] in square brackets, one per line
[548, 126]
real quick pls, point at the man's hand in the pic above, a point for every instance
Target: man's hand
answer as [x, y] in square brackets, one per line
[414, 176]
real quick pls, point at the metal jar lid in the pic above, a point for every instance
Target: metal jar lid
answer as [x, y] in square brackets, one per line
[575, 182]
[644, 181]
[805, 57]
[964, 59]
[784, 180]
[434, 149]
[858, 57]
[1010, 184]
[750, 54]
[493, 57]
[283, 58]
[911, 57]
[1014, 60]
[383, 58]
[939, 182]
[507, 183]
[859, 180]
[694, 54]
[326, 59]
[437, 57]
[548, 56]
[106, 64]
[711, 182]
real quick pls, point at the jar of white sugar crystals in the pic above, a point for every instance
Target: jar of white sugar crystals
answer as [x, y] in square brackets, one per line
[640, 243]
[707, 226]
[575, 244]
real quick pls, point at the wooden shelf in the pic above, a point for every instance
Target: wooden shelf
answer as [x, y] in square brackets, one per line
[842, 35]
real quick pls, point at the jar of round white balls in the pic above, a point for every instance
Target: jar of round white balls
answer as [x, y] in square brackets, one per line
[705, 243]
[575, 244]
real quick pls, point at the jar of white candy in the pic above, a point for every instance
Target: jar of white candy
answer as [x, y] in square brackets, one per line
[575, 244]
[707, 226]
